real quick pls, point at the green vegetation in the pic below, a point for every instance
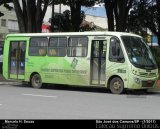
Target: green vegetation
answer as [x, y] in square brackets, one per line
[156, 53]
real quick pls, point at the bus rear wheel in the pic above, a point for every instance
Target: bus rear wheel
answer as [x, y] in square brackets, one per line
[36, 81]
[116, 85]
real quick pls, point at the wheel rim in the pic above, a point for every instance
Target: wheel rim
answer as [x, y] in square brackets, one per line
[36, 81]
[116, 86]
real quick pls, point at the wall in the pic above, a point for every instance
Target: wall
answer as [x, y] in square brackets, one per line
[11, 25]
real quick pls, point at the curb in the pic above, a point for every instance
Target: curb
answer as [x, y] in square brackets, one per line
[10, 83]
[155, 90]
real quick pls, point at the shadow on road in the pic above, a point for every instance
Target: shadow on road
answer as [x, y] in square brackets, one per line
[74, 88]
[93, 89]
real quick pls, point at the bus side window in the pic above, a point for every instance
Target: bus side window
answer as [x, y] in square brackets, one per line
[52, 52]
[57, 46]
[115, 51]
[38, 46]
[42, 52]
[77, 47]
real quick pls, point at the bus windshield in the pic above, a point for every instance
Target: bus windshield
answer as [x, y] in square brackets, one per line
[138, 52]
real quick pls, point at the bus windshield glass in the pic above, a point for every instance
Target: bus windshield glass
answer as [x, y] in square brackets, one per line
[138, 52]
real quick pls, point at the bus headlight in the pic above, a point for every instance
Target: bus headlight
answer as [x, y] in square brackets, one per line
[137, 80]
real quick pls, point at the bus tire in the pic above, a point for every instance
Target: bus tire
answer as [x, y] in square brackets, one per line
[36, 81]
[116, 85]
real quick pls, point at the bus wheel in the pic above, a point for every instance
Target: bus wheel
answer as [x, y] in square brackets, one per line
[116, 85]
[36, 81]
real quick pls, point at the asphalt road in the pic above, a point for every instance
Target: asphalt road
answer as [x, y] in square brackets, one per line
[60, 102]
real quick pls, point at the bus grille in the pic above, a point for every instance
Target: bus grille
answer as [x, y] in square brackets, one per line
[142, 74]
[148, 83]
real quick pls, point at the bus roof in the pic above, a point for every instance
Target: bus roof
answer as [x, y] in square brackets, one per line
[97, 33]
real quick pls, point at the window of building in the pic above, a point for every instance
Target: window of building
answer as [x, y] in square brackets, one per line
[13, 25]
[57, 46]
[3, 22]
[77, 46]
[38, 46]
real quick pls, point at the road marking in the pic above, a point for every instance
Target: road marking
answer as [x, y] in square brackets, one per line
[34, 95]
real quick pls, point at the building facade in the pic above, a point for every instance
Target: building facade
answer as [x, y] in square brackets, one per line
[8, 23]
[97, 15]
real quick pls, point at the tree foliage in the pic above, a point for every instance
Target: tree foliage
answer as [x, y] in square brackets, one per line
[63, 21]
[30, 13]
[145, 15]
[6, 5]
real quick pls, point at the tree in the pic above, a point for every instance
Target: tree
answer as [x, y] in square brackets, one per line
[66, 21]
[30, 14]
[63, 21]
[109, 6]
[121, 14]
[146, 14]
[6, 5]
[75, 8]
[52, 20]
[117, 11]
[53, 3]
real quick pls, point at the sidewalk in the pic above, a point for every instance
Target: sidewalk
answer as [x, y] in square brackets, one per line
[3, 81]
[2, 78]
[158, 86]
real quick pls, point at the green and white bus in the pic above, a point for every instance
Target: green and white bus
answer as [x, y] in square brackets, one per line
[114, 60]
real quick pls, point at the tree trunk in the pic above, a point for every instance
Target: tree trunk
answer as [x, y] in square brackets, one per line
[109, 12]
[31, 17]
[31, 10]
[21, 22]
[121, 19]
[38, 16]
[76, 16]
[121, 10]
[52, 17]
[25, 14]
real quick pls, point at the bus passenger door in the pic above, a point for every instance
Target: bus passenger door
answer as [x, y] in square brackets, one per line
[98, 62]
[17, 59]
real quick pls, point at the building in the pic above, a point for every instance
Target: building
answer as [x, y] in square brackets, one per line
[8, 23]
[96, 15]
[100, 22]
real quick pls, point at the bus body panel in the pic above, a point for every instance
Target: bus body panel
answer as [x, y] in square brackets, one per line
[142, 79]
[77, 70]
[59, 70]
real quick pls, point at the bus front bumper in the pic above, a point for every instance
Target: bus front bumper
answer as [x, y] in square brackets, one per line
[142, 83]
